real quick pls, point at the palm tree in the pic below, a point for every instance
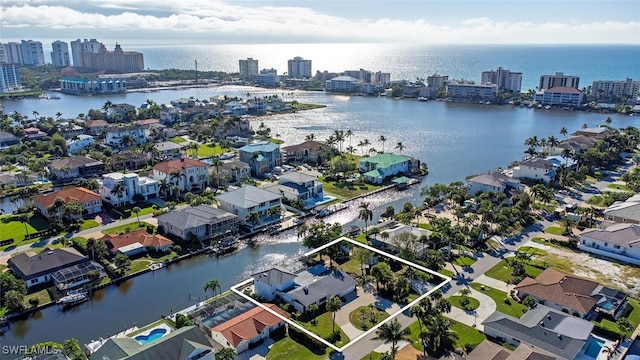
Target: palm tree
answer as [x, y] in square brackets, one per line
[216, 162]
[310, 137]
[382, 139]
[175, 178]
[164, 186]
[400, 147]
[58, 115]
[563, 131]
[365, 214]
[226, 354]
[392, 332]
[568, 224]
[624, 326]
[118, 189]
[126, 141]
[253, 218]
[350, 149]
[349, 134]
[438, 332]
[107, 105]
[136, 210]
[333, 305]
[608, 121]
[35, 115]
[212, 285]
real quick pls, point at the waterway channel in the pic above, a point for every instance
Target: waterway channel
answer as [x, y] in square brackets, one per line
[455, 140]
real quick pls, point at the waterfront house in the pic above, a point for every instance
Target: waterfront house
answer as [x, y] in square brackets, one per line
[69, 129]
[312, 286]
[95, 127]
[572, 295]
[393, 230]
[489, 350]
[542, 328]
[575, 144]
[7, 139]
[536, 169]
[230, 171]
[618, 241]
[627, 211]
[132, 185]
[129, 160]
[90, 201]
[296, 185]
[119, 112]
[36, 269]
[186, 343]
[248, 328]
[205, 222]
[136, 242]
[376, 169]
[115, 134]
[560, 96]
[595, 132]
[306, 152]
[189, 174]
[79, 142]
[493, 181]
[250, 199]
[262, 156]
[74, 167]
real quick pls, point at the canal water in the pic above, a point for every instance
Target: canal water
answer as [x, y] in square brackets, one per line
[456, 140]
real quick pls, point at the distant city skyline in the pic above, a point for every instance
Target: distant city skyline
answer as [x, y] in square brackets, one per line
[287, 21]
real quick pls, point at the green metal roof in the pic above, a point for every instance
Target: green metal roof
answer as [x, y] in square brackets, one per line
[385, 160]
[401, 180]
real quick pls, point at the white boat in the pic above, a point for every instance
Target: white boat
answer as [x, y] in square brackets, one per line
[73, 297]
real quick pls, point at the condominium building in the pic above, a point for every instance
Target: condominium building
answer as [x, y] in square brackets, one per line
[248, 68]
[97, 86]
[362, 74]
[116, 60]
[9, 78]
[78, 46]
[268, 78]
[559, 79]
[60, 54]
[345, 84]
[505, 79]
[609, 90]
[32, 53]
[381, 77]
[469, 90]
[560, 96]
[299, 68]
[11, 53]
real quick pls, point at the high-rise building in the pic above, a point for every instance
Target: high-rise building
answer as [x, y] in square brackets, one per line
[113, 61]
[505, 79]
[299, 68]
[60, 54]
[248, 68]
[559, 79]
[32, 53]
[381, 78]
[78, 46]
[9, 78]
[613, 90]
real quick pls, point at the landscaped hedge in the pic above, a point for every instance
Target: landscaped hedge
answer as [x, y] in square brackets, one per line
[303, 339]
[608, 333]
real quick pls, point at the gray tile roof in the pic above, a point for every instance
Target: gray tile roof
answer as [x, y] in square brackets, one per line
[629, 209]
[620, 234]
[560, 334]
[275, 275]
[74, 162]
[538, 163]
[33, 265]
[296, 177]
[195, 216]
[248, 196]
[322, 287]
[493, 179]
[118, 348]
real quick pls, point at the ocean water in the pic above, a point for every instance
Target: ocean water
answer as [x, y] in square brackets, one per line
[403, 61]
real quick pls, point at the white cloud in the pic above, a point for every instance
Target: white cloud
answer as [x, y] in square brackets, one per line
[220, 20]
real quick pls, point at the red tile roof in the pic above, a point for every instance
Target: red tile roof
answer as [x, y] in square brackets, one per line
[70, 196]
[564, 89]
[170, 166]
[567, 291]
[139, 236]
[249, 325]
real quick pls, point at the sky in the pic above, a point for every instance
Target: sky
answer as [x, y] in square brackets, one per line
[328, 21]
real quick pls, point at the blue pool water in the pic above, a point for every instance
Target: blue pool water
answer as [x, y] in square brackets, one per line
[607, 306]
[593, 348]
[153, 335]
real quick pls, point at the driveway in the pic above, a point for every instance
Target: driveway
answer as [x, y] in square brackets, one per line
[476, 317]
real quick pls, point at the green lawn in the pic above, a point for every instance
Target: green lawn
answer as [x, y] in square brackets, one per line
[122, 228]
[514, 309]
[137, 265]
[146, 208]
[290, 349]
[206, 150]
[323, 328]
[473, 302]
[42, 295]
[501, 271]
[352, 267]
[633, 317]
[346, 191]
[555, 230]
[532, 251]
[177, 139]
[88, 224]
[619, 187]
[467, 336]
[275, 141]
[11, 227]
[365, 321]
[446, 272]
[372, 356]
[463, 261]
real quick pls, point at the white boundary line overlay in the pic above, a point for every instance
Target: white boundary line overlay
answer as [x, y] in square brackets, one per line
[445, 281]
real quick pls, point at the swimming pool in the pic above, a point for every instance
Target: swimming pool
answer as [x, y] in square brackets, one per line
[594, 347]
[152, 335]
